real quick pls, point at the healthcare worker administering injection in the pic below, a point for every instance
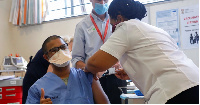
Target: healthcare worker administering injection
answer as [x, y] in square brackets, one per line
[149, 57]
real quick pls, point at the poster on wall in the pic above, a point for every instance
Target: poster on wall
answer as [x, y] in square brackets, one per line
[189, 21]
[168, 20]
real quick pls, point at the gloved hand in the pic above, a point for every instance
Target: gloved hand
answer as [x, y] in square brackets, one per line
[121, 74]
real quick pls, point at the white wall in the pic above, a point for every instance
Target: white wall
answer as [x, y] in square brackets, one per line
[5, 32]
[28, 40]
[191, 53]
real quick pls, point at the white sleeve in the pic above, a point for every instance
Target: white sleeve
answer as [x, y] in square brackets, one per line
[117, 44]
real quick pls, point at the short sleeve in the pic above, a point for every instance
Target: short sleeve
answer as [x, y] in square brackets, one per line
[33, 96]
[89, 77]
[117, 44]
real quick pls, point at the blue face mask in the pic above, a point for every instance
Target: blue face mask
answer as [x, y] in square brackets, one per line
[101, 8]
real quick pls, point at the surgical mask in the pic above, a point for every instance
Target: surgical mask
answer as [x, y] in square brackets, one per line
[101, 8]
[61, 58]
[114, 26]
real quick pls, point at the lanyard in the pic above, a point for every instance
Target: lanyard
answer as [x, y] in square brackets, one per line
[96, 27]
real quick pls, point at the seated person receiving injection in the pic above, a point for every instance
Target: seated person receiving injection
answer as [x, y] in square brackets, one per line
[64, 85]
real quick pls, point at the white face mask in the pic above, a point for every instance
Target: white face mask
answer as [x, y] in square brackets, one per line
[61, 58]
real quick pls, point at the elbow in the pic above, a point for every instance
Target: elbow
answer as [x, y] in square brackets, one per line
[107, 101]
[92, 67]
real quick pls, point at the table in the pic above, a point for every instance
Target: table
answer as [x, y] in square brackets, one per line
[132, 99]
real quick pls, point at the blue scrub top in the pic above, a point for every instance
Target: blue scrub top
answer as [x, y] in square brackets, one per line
[77, 91]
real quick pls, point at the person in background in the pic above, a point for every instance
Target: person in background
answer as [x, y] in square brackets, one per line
[36, 68]
[71, 44]
[64, 85]
[69, 41]
[90, 35]
[149, 57]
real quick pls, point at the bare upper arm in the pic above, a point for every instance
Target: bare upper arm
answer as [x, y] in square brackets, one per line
[99, 95]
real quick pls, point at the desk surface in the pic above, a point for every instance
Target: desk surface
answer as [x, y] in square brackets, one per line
[11, 70]
[130, 96]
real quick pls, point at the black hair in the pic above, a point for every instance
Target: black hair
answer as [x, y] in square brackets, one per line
[129, 9]
[44, 45]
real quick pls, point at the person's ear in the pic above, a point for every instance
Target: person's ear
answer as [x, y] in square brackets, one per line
[46, 57]
[120, 18]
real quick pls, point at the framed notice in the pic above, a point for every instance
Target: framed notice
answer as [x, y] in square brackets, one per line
[189, 22]
[168, 20]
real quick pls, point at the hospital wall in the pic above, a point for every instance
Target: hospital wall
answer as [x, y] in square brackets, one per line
[176, 4]
[30, 39]
[6, 44]
[26, 41]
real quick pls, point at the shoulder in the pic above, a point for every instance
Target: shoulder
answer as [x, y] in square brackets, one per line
[129, 23]
[84, 22]
[132, 27]
[81, 74]
[77, 71]
[41, 82]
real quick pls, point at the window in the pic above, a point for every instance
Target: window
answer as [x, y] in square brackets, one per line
[67, 8]
[58, 9]
[149, 1]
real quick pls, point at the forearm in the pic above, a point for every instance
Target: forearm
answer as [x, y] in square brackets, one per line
[100, 61]
[93, 69]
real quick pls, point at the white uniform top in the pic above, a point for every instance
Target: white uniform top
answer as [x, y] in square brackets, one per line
[152, 60]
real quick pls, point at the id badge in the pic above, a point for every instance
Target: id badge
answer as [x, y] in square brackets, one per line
[91, 29]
